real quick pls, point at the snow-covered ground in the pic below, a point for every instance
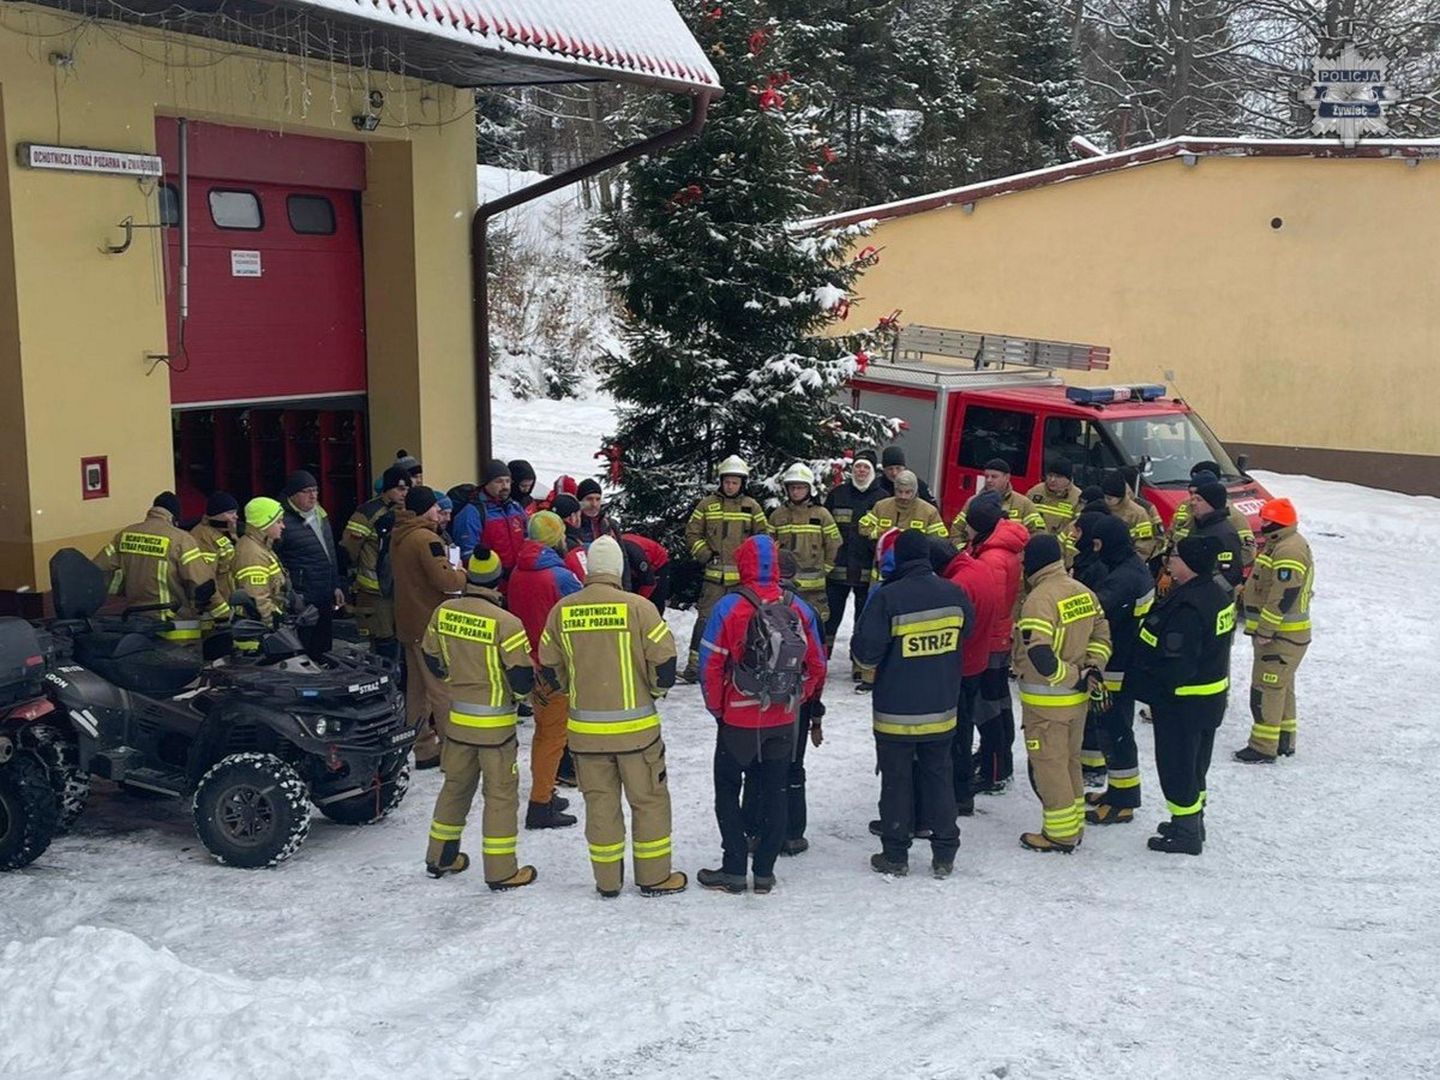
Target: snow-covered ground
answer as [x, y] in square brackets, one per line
[1301, 944]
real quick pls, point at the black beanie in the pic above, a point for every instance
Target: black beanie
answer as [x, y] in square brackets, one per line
[1114, 485]
[1199, 553]
[984, 514]
[941, 554]
[168, 500]
[220, 502]
[910, 545]
[1058, 466]
[495, 469]
[865, 455]
[1213, 493]
[395, 476]
[587, 486]
[1114, 537]
[892, 455]
[520, 469]
[1040, 552]
[999, 465]
[565, 505]
[419, 499]
[298, 481]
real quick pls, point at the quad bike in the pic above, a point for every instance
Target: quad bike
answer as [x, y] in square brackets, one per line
[41, 791]
[252, 738]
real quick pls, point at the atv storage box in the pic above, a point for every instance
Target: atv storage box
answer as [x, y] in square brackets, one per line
[24, 656]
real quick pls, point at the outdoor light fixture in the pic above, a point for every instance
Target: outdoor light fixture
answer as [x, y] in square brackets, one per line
[1190, 159]
[365, 121]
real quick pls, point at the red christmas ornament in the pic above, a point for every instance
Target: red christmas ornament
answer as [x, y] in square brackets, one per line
[770, 98]
[812, 168]
[780, 78]
[841, 310]
[862, 361]
[715, 14]
[758, 40]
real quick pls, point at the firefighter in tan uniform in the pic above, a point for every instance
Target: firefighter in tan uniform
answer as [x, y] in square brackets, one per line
[155, 562]
[808, 531]
[1277, 616]
[718, 525]
[216, 536]
[257, 570]
[482, 653]
[365, 533]
[1061, 645]
[1183, 521]
[610, 651]
[904, 510]
[1057, 500]
[1122, 504]
[1015, 506]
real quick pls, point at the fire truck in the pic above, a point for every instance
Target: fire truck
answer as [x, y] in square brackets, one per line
[964, 398]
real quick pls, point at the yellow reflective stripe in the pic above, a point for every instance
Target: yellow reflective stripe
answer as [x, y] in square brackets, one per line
[1142, 530]
[1203, 689]
[499, 689]
[651, 849]
[1099, 648]
[367, 581]
[1093, 759]
[937, 529]
[499, 845]
[181, 635]
[359, 528]
[501, 720]
[915, 729]
[627, 669]
[659, 632]
[624, 727]
[945, 622]
[1289, 564]
[191, 555]
[1265, 731]
[162, 582]
[1124, 781]
[607, 853]
[209, 556]
[697, 547]
[1149, 638]
[1048, 701]
[1035, 624]
[220, 610]
[785, 530]
[516, 640]
[439, 830]
[1177, 810]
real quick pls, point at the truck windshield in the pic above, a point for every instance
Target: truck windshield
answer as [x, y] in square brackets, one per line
[1173, 442]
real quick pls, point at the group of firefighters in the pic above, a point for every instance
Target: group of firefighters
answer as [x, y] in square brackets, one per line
[545, 608]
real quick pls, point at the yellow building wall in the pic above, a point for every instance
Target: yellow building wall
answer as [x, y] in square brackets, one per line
[1178, 268]
[84, 320]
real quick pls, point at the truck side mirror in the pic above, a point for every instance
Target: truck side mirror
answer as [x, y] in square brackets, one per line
[1242, 462]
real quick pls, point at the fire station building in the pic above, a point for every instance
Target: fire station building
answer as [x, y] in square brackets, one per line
[237, 241]
[1287, 289]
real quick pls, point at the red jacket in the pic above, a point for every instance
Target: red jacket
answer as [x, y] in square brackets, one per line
[987, 597]
[1001, 552]
[758, 561]
[655, 555]
[537, 584]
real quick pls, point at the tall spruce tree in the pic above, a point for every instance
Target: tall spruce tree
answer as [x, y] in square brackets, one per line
[725, 305]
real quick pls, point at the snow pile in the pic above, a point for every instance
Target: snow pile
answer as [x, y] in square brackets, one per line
[551, 316]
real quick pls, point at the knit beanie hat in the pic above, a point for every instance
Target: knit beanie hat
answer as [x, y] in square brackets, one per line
[998, 464]
[942, 554]
[220, 502]
[495, 469]
[912, 544]
[1040, 552]
[297, 482]
[892, 455]
[444, 502]
[548, 529]
[984, 514]
[587, 487]
[605, 557]
[865, 455]
[1199, 553]
[565, 506]
[262, 512]
[408, 462]
[1113, 485]
[168, 500]
[1204, 476]
[1058, 466]
[419, 499]
[483, 568]
[1213, 493]
[396, 476]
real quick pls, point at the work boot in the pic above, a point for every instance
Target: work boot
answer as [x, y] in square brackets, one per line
[941, 869]
[607, 894]
[1183, 837]
[1106, 814]
[721, 881]
[518, 880]
[864, 688]
[991, 787]
[797, 846]
[672, 885]
[1094, 798]
[1250, 756]
[1035, 841]
[1287, 744]
[763, 884]
[882, 864]
[559, 803]
[458, 865]
[1165, 827]
[545, 816]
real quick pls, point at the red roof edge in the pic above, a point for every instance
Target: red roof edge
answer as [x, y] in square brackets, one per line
[1168, 150]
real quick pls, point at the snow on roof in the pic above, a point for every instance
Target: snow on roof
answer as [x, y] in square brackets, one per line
[1168, 150]
[642, 41]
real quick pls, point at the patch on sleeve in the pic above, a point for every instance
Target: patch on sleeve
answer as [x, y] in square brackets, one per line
[437, 549]
[1285, 575]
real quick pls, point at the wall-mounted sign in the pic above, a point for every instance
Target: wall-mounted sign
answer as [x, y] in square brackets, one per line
[244, 264]
[1349, 94]
[82, 159]
[95, 477]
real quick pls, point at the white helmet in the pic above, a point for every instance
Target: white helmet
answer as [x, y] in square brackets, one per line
[799, 474]
[734, 465]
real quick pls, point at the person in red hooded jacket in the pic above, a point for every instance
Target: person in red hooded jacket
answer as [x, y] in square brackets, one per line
[998, 542]
[651, 568]
[753, 738]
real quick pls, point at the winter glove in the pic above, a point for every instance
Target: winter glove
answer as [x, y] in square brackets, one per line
[1099, 697]
[816, 735]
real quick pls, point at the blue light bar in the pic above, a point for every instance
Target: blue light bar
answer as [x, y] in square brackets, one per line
[1113, 395]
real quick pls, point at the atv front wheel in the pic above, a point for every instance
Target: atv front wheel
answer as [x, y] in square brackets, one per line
[29, 815]
[366, 809]
[62, 761]
[252, 810]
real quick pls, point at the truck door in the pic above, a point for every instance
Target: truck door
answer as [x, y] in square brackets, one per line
[1080, 442]
[978, 432]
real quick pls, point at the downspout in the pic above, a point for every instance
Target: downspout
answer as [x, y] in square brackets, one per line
[479, 227]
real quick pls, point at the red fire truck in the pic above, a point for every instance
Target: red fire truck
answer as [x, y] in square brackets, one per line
[964, 398]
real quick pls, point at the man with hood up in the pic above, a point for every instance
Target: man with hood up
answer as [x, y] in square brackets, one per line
[848, 503]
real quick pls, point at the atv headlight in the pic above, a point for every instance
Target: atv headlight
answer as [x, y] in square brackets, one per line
[322, 727]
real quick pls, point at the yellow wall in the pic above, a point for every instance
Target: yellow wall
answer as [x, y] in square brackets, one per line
[84, 320]
[1178, 268]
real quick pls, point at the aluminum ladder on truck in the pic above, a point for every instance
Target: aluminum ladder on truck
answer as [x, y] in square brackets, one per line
[991, 352]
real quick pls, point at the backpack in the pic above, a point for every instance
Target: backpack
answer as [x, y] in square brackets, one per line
[772, 665]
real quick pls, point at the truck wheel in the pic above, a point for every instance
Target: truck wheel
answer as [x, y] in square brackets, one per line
[252, 810]
[375, 804]
[62, 761]
[28, 812]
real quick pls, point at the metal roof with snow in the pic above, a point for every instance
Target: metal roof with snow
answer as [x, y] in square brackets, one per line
[1168, 150]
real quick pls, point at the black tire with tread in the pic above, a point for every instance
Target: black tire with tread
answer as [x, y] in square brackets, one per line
[29, 815]
[62, 761]
[258, 793]
[371, 807]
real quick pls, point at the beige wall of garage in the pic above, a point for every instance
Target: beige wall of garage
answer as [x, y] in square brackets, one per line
[76, 324]
[1318, 335]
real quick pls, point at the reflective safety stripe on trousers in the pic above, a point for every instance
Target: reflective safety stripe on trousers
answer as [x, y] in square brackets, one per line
[466, 714]
[613, 721]
[1051, 697]
[916, 725]
[1219, 686]
[729, 573]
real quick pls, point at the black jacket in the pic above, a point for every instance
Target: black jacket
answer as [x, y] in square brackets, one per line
[311, 564]
[1182, 657]
[918, 672]
[591, 529]
[847, 505]
[923, 490]
[1126, 592]
[1229, 564]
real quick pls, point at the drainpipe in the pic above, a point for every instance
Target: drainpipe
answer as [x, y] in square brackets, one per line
[699, 107]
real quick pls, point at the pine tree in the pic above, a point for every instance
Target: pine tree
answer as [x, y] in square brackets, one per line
[725, 304]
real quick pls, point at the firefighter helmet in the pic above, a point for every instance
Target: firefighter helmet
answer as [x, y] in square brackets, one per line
[799, 474]
[734, 465]
[1279, 512]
